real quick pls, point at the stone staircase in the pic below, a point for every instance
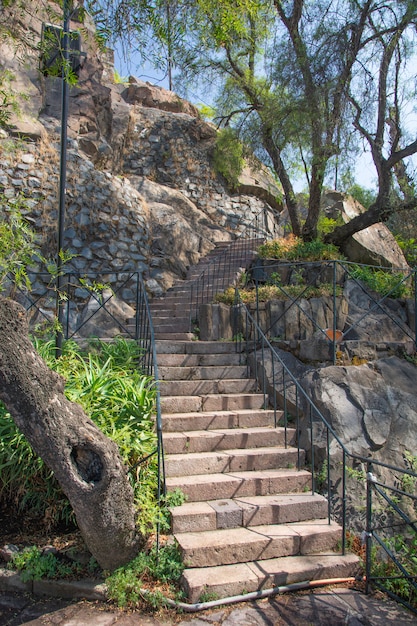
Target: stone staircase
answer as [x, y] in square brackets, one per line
[171, 314]
[250, 520]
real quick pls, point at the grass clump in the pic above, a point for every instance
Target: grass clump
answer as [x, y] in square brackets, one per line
[148, 578]
[35, 564]
[385, 283]
[293, 248]
[264, 293]
[107, 382]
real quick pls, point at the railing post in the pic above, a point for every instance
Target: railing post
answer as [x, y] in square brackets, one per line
[334, 313]
[415, 308]
[368, 532]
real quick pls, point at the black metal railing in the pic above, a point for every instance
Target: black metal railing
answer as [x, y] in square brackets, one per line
[225, 268]
[88, 297]
[336, 472]
[297, 281]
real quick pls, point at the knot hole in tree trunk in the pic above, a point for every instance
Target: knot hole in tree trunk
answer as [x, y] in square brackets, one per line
[88, 464]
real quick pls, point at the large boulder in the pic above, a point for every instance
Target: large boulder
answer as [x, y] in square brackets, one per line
[155, 97]
[374, 245]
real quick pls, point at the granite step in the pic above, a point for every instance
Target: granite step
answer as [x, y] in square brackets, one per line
[202, 440]
[207, 387]
[202, 372]
[203, 487]
[249, 511]
[226, 419]
[224, 581]
[211, 402]
[227, 461]
[197, 347]
[241, 545]
[198, 360]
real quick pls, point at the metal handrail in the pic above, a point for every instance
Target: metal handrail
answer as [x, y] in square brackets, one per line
[143, 334]
[259, 276]
[216, 276]
[299, 405]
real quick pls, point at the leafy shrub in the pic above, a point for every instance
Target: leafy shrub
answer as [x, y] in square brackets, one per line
[119, 398]
[275, 292]
[124, 586]
[293, 248]
[228, 156]
[383, 282]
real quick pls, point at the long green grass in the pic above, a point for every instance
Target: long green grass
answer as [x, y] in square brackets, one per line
[106, 381]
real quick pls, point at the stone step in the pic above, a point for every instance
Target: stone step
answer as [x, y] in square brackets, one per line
[249, 511]
[225, 402]
[211, 420]
[202, 372]
[198, 360]
[172, 327]
[227, 461]
[203, 487]
[197, 347]
[226, 439]
[174, 336]
[240, 545]
[206, 387]
[231, 580]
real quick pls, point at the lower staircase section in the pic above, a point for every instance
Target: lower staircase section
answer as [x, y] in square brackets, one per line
[250, 520]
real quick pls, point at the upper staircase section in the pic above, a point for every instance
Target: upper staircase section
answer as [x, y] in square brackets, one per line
[174, 312]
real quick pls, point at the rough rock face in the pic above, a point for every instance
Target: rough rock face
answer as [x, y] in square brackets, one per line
[374, 245]
[372, 407]
[142, 194]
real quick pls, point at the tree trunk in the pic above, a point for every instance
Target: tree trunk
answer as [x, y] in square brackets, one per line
[377, 212]
[85, 462]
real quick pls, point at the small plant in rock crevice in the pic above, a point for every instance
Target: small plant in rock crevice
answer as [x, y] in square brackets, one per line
[148, 578]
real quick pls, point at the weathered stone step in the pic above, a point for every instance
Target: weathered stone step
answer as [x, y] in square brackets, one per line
[226, 439]
[174, 336]
[206, 387]
[226, 461]
[173, 326]
[203, 372]
[240, 545]
[204, 487]
[210, 420]
[225, 402]
[196, 347]
[249, 511]
[198, 360]
[231, 580]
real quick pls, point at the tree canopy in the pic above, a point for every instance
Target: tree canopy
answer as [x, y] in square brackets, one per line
[304, 82]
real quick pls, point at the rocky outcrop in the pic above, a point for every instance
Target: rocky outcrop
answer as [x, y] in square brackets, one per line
[374, 245]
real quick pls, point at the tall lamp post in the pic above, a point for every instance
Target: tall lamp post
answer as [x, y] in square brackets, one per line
[62, 178]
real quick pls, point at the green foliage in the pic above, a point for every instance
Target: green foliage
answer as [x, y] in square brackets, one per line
[18, 246]
[9, 103]
[382, 281]
[364, 196]
[119, 398]
[405, 550]
[228, 156]
[326, 225]
[409, 248]
[295, 249]
[120, 80]
[33, 564]
[125, 585]
[264, 293]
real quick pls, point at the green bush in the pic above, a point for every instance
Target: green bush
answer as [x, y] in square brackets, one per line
[124, 586]
[119, 398]
[295, 249]
[383, 282]
[228, 156]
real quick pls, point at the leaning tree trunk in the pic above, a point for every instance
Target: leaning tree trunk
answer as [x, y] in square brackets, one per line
[85, 462]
